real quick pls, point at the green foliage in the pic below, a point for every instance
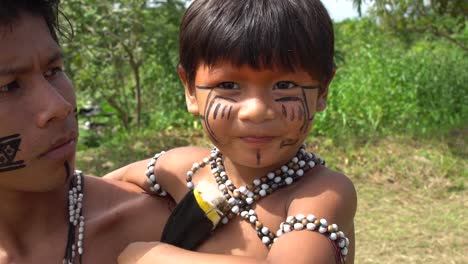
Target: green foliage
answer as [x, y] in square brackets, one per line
[123, 57]
[384, 87]
[444, 19]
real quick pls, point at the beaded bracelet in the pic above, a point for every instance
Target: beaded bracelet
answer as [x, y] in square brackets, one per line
[155, 187]
[311, 223]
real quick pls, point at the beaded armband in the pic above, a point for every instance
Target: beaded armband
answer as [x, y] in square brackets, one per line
[155, 187]
[312, 223]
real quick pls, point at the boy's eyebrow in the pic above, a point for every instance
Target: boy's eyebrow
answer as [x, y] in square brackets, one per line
[13, 70]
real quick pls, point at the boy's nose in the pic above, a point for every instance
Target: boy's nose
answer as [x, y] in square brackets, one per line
[256, 110]
[52, 104]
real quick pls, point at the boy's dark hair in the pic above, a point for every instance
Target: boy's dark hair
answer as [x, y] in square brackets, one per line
[10, 11]
[290, 34]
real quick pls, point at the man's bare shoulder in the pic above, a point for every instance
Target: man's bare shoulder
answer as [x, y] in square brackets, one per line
[119, 205]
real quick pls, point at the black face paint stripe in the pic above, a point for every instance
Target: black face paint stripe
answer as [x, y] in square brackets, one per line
[207, 124]
[300, 113]
[210, 104]
[293, 116]
[229, 112]
[9, 146]
[288, 142]
[310, 87]
[285, 113]
[288, 99]
[201, 87]
[223, 111]
[215, 114]
[258, 157]
[306, 104]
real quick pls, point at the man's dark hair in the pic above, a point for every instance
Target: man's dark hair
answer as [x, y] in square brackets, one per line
[11, 10]
[290, 34]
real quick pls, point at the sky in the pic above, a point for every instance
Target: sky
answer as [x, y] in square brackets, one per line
[341, 9]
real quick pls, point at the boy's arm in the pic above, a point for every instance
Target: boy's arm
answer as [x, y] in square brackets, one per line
[133, 173]
[337, 200]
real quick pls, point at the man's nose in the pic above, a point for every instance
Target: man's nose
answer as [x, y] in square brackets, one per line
[52, 105]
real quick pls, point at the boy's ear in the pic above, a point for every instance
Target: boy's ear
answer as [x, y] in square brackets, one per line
[323, 95]
[190, 97]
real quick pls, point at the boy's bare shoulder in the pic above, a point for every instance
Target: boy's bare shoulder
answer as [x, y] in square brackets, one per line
[325, 193]
[183, 157]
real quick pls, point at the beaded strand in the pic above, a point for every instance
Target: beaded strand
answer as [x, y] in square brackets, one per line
[242, 199]
[75, 219]
[155, 187]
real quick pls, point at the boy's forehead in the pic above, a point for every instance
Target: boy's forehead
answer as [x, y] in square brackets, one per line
[226, 66]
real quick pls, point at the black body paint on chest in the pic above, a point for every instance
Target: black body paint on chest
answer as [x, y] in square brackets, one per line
[9, 146]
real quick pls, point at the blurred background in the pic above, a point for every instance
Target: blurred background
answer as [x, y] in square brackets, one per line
[396, 123]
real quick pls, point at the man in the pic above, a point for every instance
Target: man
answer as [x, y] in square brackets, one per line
[48, 214]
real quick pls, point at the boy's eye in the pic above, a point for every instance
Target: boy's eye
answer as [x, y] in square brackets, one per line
[52, 72]
[228, 85]
[285, 85]
[9, 87]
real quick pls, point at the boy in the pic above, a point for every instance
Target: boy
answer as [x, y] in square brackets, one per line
[256, 72]
[40, 220]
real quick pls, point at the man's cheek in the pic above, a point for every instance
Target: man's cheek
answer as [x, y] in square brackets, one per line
[9, 148]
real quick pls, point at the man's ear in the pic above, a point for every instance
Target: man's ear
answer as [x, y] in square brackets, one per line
[190, 97]
[323, 94]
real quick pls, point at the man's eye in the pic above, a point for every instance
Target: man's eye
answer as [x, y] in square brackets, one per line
[52, 72]
[283, 85]
[9, 87]
[228, 85]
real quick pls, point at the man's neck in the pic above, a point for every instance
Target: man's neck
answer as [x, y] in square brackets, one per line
[27, 218]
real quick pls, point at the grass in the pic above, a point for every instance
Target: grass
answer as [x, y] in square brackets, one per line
[411, 192]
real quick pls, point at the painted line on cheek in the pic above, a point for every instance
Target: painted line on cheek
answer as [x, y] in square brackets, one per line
[207, 112]
[288, 142]
[204, 87]
[285, 113]
[293, 114]
[306, 105]
[288, 99]
[311, 87]
[229, 112]
[258, 157]
[300, 113]
[9, 146]
[215, 114]
[223, 112]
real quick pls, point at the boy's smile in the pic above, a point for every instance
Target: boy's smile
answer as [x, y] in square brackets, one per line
[258, 118]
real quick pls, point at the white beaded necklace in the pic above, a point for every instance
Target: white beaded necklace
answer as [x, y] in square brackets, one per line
[75, 219]
[240, 200]
[243, 198]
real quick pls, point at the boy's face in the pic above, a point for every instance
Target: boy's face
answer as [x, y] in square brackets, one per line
[38, 127]
[257, 118]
